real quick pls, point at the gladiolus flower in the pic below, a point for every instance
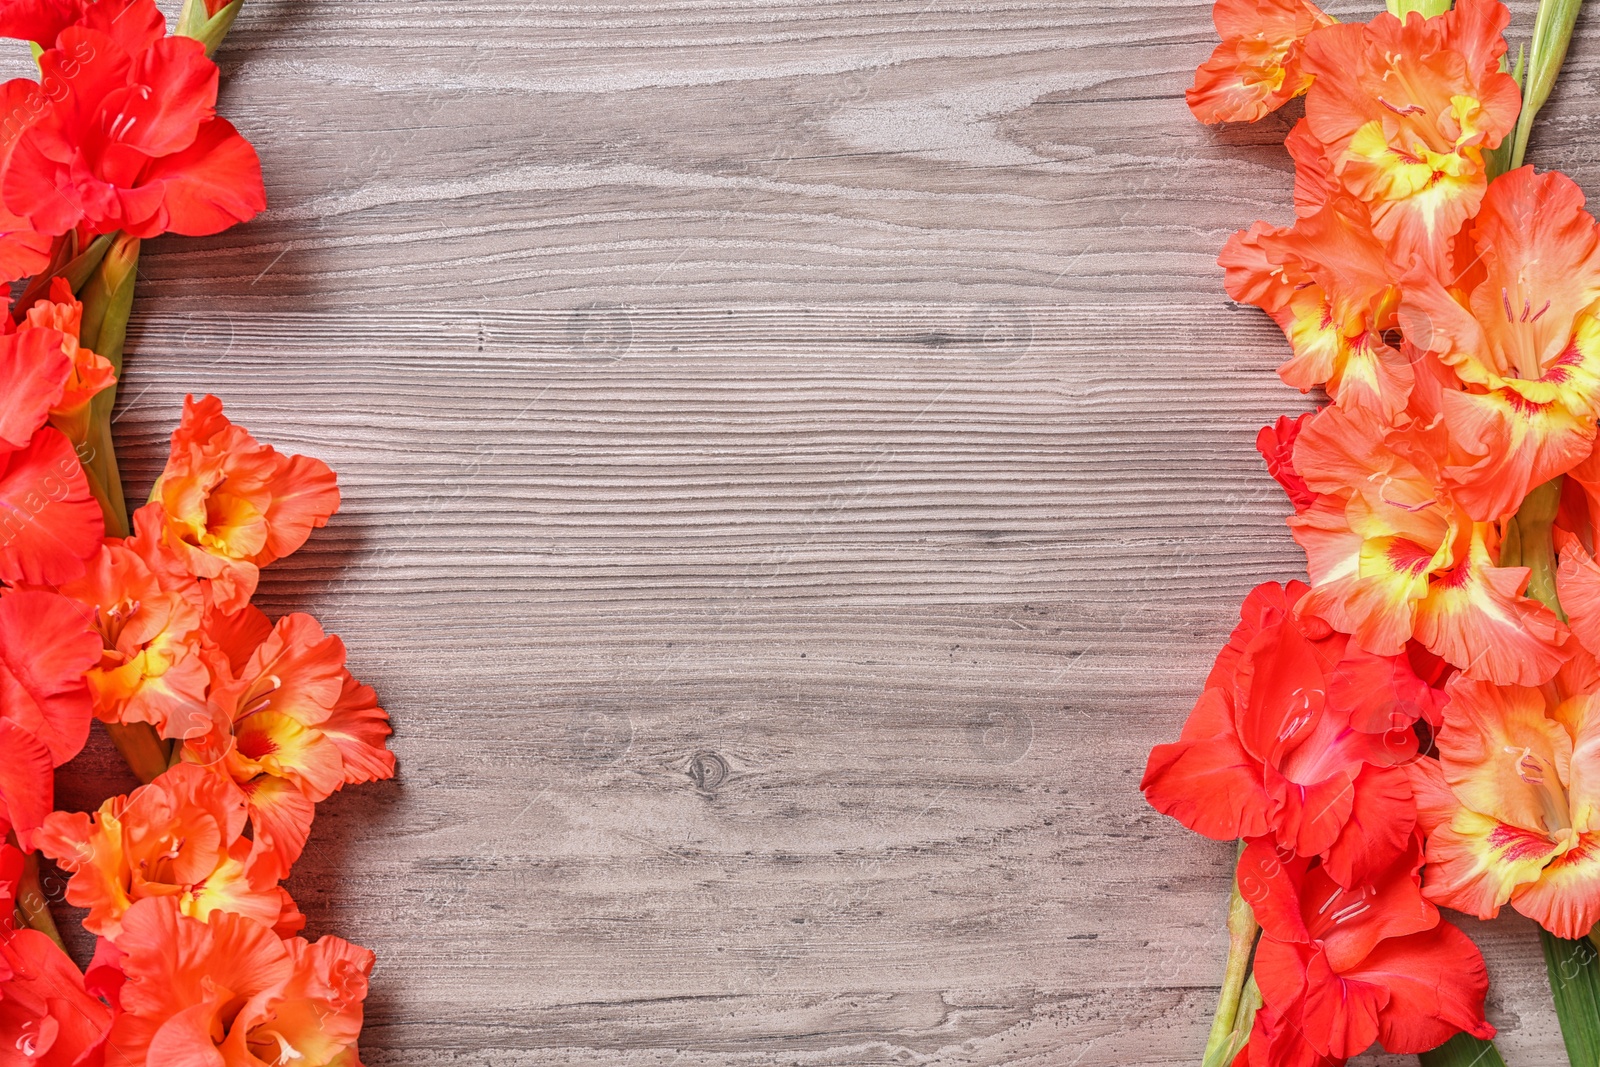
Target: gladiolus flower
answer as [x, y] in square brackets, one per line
[1276, 445]
[1276, 1042]
[292, 728]
[41, 21]
[1347, 966]
[1256, 69]
[230, 991]
[1393, 556]
[44, 374]
[45, 647]
[232, 505]
[1520, 329]
[152, 669]
[124, 134]
[1406, 111]
[50, 523]
[1301, 736]
[1512, 805]
[24, 251]
[180, 837]
[48, 336]
[47, 1016]
[1329, 285]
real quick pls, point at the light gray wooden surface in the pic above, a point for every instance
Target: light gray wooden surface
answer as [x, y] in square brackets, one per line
[797, 460]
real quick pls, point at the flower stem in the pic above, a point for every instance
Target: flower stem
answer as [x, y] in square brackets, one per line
[107, 300]
[144, 750]
[1426, 8]
[33, 905]
[1242, 931]
[1530, 542]
[209, 30]
[1552, 32]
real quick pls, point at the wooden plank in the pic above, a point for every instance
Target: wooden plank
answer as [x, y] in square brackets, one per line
[797, 459]
[772, 684]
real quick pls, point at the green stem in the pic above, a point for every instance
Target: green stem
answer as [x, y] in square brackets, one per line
[1530, 542]
[1242, 931]
[33, 905]
[1574, 970]
[1552, 32]
[209, 30]
[1571, 965]
[1426, 8]
[107, 301]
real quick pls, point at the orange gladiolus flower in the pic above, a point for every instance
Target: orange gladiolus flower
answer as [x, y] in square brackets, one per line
[44, 373]
[233, 505]
[291, 728]
[180, 837]
[1256, 69]
[1393, 556]
[152, 669]
[47, 339]
[230, 992]
[1328, 283]
[1521, 329]
[1512, 805]
[1405, 112]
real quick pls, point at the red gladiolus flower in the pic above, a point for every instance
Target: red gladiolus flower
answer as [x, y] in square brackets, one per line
[1276, 445]
[1301, 736]
[1276, 1042]
[123, 134]
[230, 991]
[49, 520]
[45, 647]
[41, 21]
[49, 331]
[47, 1016]
[1256, 69]
[1347, 966]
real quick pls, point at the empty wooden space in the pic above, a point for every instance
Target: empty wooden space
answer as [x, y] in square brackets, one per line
[797, 459]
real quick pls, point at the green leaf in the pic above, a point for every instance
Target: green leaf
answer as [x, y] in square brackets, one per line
[1574, 970]
[1463, 1050]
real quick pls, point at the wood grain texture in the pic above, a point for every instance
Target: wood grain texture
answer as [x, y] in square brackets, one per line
[797, 460]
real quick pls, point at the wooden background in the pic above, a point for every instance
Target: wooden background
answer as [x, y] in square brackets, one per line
[797, 460]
